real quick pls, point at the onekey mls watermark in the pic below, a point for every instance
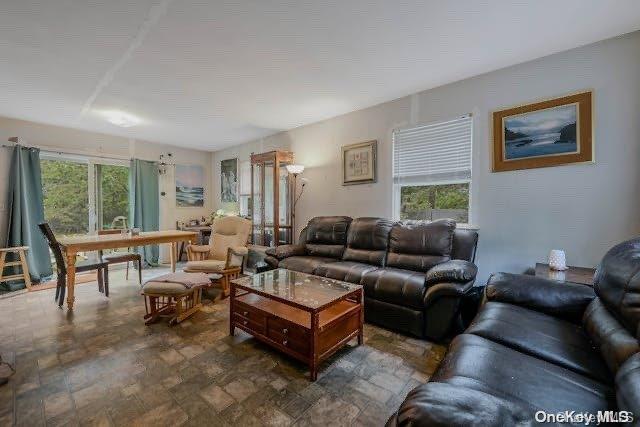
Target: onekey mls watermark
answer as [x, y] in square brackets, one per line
[585, 418]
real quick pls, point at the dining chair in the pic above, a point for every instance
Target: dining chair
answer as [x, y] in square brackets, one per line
[118, 257]
[225, 252]
[82, 266]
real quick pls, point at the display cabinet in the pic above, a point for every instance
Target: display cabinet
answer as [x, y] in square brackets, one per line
[271, 198]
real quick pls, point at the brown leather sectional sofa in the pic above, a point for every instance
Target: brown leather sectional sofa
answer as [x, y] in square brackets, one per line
[541, 347]
[413, 273]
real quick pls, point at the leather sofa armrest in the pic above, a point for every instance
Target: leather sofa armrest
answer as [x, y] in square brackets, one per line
[286, 251]
[458, 271]
[446, 289]
[271, 261]
[560, 299]
[440, 404]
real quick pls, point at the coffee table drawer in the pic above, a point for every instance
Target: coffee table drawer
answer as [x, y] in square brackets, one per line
[248, 323]
[290, 329]
[250, 313]
[295, 344]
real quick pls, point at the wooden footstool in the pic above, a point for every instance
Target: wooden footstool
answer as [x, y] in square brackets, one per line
[174, 295]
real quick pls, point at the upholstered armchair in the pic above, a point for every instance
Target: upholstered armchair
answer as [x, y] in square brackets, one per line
[225, 252]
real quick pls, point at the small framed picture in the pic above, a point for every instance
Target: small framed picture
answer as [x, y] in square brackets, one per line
[543, 134]
[229, 180]
[359, 163]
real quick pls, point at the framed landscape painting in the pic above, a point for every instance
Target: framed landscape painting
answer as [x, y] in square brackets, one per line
[229, 180]
[547, 133]
[359, 163]
[189, 186]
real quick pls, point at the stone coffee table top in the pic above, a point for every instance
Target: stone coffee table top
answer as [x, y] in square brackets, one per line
[301, 289]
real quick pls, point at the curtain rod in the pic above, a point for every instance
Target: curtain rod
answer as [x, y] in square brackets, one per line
[54, 151]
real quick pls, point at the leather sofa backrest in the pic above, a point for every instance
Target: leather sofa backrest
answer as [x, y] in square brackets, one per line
[617, 283]
[419, 245]
[613, 340]
[367, 240]
[326, 236]
[465, 242]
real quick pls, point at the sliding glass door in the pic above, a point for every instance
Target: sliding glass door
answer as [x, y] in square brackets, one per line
[83, 195]
[112, 196]
[65, 189]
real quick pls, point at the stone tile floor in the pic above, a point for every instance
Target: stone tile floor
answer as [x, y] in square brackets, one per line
[103, 366]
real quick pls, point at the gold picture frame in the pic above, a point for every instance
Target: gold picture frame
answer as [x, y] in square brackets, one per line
[543, 134]
[359, 163]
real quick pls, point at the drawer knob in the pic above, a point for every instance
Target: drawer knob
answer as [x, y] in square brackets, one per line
[245, 313]
[244, 322]
[285, 331]
[285, 342]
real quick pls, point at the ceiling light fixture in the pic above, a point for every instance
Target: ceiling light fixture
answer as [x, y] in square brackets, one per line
[122, 119]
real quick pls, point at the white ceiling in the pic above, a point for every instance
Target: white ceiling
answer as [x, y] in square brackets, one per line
[209, 74]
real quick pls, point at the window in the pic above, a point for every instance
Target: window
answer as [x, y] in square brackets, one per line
[112, 196]
[84, 194]
[65, 189]
[432, 170]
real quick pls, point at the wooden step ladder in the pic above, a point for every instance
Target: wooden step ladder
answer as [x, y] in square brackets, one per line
[22, 262]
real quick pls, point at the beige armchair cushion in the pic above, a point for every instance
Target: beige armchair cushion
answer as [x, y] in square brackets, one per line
[228, 232]
[208, 265]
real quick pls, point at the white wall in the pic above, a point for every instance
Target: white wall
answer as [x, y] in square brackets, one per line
[583, 209]
[89, 143]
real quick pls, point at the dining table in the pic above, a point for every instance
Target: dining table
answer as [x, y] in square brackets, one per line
[71, 246]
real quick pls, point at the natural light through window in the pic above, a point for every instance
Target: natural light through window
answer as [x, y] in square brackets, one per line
[432, 171]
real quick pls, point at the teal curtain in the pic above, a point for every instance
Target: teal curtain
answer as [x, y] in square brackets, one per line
[26, 211]
[144, 203]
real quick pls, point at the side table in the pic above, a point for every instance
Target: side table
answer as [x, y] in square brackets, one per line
[580, 275]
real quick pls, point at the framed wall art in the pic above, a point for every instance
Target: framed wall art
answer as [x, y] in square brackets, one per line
[229, 181]
[189, 186]
[359, 163]
[542, 134]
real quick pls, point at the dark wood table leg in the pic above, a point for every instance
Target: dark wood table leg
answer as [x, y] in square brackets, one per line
[232, 297]
[313, 365]
[361, 333]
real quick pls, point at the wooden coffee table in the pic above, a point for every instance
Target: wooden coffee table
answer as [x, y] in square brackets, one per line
[307, 317]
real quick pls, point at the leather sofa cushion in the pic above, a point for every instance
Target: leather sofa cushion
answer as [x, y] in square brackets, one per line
[326, 236]
[395, 286]
[614, 341]
[438, 404]
[367, 240]
[617, 283]
[331, 251]
[544, 337]
[487, 366]
[305, 264]
[419, 245]
[346, 271]
[628, 386]
[465, 242]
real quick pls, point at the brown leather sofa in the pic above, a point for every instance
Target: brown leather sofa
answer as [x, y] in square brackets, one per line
[413, 273]
[539, 345]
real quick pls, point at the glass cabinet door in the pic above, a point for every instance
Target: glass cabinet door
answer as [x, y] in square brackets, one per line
[256, 205]
[284, 215]
[271, 198]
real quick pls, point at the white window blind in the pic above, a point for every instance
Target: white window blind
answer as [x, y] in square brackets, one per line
[433, 153]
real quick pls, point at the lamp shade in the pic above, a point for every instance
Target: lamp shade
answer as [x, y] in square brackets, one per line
[295, 169]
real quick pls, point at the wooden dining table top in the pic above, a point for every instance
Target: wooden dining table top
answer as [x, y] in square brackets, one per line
[90, 242]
